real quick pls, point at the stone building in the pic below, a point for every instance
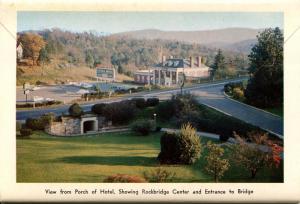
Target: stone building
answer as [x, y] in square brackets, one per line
[68, 126]
[171, 71]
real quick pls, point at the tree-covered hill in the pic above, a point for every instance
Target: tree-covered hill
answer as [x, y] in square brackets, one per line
[67, 49]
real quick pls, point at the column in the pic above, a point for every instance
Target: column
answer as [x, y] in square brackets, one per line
[159, 76]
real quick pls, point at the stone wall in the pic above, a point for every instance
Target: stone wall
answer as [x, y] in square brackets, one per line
[72, 126]
[68, 126]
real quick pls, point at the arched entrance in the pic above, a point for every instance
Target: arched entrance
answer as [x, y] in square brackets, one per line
[89, 126]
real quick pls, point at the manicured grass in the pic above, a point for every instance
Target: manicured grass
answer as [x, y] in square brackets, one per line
[43, 158]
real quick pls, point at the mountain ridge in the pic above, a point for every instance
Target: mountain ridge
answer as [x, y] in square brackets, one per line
[226, 38]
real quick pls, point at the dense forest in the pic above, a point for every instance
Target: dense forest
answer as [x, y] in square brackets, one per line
[126, 55]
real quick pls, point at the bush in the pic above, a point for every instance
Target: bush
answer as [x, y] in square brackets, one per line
[189, 145]
[120, 112]
[25, 132]
[139, 102]
[124, 178]
[40, 123]
[152, 102]
[238, 94]
[159, 175]
[47, 118]
[35, 124]
[228, 88]
[98, 108]
[143, 127]
[75, 110]
[181, 148]
[18, 126]
[166, 110]
[168, 148]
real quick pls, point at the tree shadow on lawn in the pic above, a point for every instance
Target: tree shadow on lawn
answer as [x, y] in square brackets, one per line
[110, 160]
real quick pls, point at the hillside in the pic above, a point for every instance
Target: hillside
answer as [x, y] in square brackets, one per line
[222, 38]
[63, 51]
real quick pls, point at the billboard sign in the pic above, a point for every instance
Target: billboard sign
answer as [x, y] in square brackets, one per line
[106, 73]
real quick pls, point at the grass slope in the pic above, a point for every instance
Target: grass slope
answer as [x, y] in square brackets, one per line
[44, 158]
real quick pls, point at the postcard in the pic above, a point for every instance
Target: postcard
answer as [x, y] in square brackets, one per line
[150, 102]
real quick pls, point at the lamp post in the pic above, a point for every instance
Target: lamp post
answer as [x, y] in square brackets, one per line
[154, 119]
[65, 128]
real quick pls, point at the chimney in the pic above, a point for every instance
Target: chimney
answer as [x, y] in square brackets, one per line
[199, 61]
[163, 59]
[191, 61]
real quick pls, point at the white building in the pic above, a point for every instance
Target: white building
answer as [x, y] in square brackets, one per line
[143, 76]
[171, 71]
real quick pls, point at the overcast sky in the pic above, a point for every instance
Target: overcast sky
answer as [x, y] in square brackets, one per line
[114, 22]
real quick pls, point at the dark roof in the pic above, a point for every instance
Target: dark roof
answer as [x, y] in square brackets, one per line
[177, 63]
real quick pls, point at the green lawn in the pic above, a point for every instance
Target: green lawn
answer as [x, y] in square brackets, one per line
[44, 158]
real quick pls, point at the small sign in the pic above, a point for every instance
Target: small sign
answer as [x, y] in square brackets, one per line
[106, 73]
[26, 91]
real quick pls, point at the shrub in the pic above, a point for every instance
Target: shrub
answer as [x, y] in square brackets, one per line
[189, 145]
[18, 126]
[228, 88]
[152, 102]
[181, 148]
[168, 148]
[159, 175]
[98, 108]
[75, 110]
[119, 112]
[124, 178]
[166, 110]
[238, 93]
[25, 132]
[47, 118]
[40, 123]
[216, 164]
[35, 124]
[143, 127]
[139, 102]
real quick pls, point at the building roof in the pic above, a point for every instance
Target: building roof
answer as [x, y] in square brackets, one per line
[144, 72]
[179, 63]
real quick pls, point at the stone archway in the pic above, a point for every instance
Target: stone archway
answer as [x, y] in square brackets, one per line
[89, 124]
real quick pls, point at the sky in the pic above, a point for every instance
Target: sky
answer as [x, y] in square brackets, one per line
[115, 22]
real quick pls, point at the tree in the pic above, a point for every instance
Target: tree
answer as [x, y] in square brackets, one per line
[32, 45]
[43, 56]
[215, 164]
[118, 59]
[252, 156]
[75, 110]
[265, 86]
[219, 62]
[89, 59]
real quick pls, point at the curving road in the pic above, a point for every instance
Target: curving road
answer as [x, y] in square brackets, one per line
[208, 94]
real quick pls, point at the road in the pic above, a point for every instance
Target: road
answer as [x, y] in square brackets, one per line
[208, 94]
